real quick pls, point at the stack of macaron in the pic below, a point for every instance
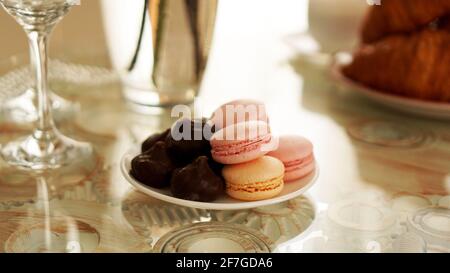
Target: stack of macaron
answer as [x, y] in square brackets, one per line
[242, 157]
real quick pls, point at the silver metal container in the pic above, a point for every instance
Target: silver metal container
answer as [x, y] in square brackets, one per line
[159, 47]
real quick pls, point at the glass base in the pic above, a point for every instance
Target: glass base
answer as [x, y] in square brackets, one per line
[142, 100]
[22, 109]
[46, 150]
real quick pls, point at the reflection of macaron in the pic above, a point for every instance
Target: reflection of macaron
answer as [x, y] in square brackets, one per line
[241, 142]
[296, 153]
[255, 180]
[239, 111]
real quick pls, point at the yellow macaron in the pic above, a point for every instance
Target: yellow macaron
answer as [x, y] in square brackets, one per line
[259, 179]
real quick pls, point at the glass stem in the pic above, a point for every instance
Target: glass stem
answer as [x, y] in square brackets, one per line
[38, 40]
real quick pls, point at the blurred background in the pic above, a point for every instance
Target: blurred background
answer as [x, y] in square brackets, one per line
[332, 23]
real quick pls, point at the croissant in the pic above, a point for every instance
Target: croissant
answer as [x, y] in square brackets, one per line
[401, 16]
[414, 65]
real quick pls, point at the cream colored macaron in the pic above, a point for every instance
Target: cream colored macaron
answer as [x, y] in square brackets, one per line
[259, 179]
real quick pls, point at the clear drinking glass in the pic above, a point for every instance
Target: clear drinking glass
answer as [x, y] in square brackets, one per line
[46, 147]
[159, 47]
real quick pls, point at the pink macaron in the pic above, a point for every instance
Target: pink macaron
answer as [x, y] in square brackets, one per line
[237, 111]
[241, 142]
[297, 155]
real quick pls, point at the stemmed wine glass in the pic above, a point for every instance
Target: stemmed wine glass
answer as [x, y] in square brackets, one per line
[46, 147]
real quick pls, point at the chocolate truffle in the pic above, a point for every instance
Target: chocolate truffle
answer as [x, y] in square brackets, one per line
[153, 168]
[197, 182]
[187, 140]
[151, 140]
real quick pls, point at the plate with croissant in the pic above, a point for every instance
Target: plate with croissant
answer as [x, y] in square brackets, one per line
[403, 60]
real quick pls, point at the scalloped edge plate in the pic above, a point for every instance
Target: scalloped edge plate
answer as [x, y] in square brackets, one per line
[413, 106]
[290, 191]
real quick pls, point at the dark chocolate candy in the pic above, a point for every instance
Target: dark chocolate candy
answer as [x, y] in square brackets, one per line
[151, 140]
[153, 168]
[197, 182]
[187, 140]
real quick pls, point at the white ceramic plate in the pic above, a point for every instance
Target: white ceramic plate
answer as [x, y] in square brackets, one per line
[290, 190]
[436, 110]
